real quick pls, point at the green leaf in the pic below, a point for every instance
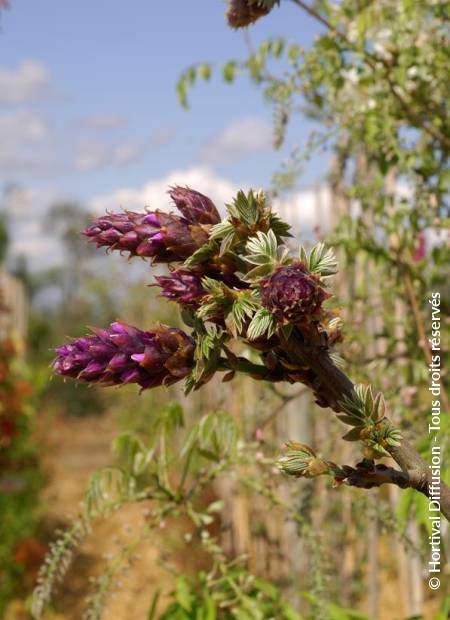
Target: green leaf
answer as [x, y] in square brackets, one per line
[223, 230]
[379, 407]
[363, 405]
[269, 589]
[368, 402]
[258, 272]
[262, 324]
[349, 419]
[209, 455]
[263, 244]
[354, 434]
[189, 384]
[320, 260]
[183, 594]
[243, 308]
[245, 208]
[204, 71]
[279, 226]
[229, 71]
[203, 254]
[152, 611]
[216, 506]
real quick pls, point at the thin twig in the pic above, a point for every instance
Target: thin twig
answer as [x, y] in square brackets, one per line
[285, 400]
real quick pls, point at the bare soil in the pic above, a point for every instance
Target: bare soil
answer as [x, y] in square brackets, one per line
[74, 449]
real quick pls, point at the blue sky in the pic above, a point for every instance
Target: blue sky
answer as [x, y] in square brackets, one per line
[88, 105]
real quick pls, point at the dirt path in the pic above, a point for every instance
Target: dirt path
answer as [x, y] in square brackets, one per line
[75, 449]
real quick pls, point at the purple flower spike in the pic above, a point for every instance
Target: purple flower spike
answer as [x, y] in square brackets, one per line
[124, 354]
[194, 206]
[163, 237]
[183, 286]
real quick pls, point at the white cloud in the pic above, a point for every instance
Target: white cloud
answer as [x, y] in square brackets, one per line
[22, 127]
[102, 122]
[305, 209]
[96, 155]
[243, 137]
[26, 209]
[154, 193]
[126, 153]
[29, 81]
[163, 135]
[91, 156]
[23, 139]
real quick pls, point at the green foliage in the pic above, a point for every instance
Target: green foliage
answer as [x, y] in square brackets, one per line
[171, 467]
[251, 248]
[246, 208]
[243, 308]
[210, 340]
[229, 593]
[264, 252]
[202, 255]
[380, 88]
[320, 260]
[21, 478]
[56, 565]
[362, 408]
[262, 324]
[335, 612]
[300, 461]
[366, 414]
[249, 214]
[111, 486]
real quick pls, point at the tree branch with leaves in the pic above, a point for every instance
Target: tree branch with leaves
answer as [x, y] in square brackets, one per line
[237, 281]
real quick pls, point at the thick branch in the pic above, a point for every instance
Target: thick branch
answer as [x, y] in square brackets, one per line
[367, 475]
[334, 385]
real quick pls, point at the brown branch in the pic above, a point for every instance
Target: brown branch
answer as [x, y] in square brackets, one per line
[367, 475]
[334, 385]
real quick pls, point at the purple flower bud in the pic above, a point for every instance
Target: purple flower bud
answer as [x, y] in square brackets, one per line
[194, 206]
[242, 13]
[124, 354]
[163, 237]
[292, 294]
[183, 286]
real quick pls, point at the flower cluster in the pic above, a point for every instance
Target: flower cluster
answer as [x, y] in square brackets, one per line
[163, 237]
[125, 354]
[292, 294]
[233, 278]
[182, 286]
[195, 207]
